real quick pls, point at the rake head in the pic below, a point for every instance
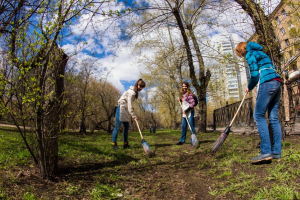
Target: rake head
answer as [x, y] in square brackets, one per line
[220, 140]
[194, 140]
[147, 149]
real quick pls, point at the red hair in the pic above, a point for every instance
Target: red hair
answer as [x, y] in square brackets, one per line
[240, 49]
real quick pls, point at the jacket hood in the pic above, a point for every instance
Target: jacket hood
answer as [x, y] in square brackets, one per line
[131, 88]
[253, 46]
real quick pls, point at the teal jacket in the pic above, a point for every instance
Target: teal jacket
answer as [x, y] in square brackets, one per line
[259, 61]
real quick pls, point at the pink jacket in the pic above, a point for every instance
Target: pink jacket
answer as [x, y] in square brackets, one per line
[191, 101]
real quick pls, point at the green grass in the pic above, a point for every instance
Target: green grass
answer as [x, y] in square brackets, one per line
[282, 192]
[13, 151]
[90, 169]
[29, 196]
[101, 191]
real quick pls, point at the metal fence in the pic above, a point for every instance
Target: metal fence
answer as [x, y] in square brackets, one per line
[224, 115]
[293, 88]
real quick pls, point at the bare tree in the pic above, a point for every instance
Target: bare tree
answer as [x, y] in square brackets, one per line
[108, 96]
[184, 17]
[33, 30]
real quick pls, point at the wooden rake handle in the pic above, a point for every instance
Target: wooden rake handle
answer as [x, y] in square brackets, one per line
[139, 129]
[238, 109]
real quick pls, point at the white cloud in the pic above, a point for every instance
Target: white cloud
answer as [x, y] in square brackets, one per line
[102, 31]
[119, 68]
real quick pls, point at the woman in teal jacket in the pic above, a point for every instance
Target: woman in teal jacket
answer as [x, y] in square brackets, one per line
[263, 74]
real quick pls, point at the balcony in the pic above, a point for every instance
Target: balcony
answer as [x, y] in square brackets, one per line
[294, 75]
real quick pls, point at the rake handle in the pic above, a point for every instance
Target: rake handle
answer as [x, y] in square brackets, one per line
[139, 129]
[238, 110]
[186, 117]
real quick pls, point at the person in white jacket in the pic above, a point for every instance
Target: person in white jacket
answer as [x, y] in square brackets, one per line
[123, 111]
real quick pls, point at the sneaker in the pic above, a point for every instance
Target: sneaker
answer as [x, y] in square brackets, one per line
[261, 157]
[180, 143]
[126, 146]
[115, 147]
[276, 156]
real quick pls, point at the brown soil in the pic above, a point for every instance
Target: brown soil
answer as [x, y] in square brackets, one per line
[184, 174]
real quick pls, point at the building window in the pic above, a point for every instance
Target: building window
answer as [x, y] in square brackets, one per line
[283, 13]
[282, 59]
[277, 20]
[290, 24]
[280, 48]
[282, 31]
[291, 4]
[287, 42]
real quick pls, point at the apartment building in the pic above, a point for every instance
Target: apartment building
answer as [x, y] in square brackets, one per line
[286, 19]
[237, 75]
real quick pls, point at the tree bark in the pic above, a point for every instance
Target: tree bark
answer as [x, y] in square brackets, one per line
[52, 113]
[56, 111]
[82, 128]
[204, 80]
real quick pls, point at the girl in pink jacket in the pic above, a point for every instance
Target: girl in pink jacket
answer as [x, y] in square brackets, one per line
[188, 103]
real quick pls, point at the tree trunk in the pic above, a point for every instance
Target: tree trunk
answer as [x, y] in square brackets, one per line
[82, 128]
[153, 119]
[53, 107]
[204, 80]
[39, 129]
[109, 126]
[40, 145]
[187, 46]
[56, 110]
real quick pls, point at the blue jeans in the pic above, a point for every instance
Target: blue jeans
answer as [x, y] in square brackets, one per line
[184, 126]
[268, 99]
[118, 126]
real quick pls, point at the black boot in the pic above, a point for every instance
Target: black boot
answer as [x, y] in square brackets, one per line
[180, 143]
[126, 146]
[115, 146]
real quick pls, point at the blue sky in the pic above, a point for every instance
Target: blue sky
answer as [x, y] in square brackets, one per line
[127, 84]
[121, 66]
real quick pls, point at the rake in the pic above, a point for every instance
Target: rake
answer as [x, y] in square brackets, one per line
[224, 135]
[146, 147]
[194, 141]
